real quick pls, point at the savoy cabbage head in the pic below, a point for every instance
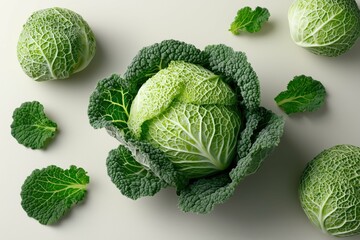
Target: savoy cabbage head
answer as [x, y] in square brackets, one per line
[329, 190]
[185, 118]
[325, 27]
[54, 44]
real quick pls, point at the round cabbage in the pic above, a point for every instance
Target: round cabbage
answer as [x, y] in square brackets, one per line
[330, 190]
[190, 114]
[325, 27]
[54, 44]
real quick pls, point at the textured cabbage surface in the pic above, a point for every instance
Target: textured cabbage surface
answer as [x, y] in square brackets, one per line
[145, 161]
[189, 113]
[303, 94]
[248, 20]
[31, 127]
[329, 190]
[49, 193]
[328, 28]
[54, 44]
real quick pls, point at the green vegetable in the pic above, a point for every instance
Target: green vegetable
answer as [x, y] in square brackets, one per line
[54, 44]
[248, 20]
[196, 129]
[328, 28]
[303, 94]
[329, 190]
[31, 127]
[185, 118]
[131, 176]
[49, 193]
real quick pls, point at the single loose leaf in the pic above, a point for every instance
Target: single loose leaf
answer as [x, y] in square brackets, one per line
[49, 193]
[303, 94]
[248, 20]
[31, 127]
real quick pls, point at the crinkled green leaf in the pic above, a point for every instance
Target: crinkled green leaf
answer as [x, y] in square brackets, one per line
[248, 20]
[31, 127]
[202, 195]
[108, 108]
[153, 58]
[47, 194]
[303, 94]
[110, 103]
[150, 157]
[264, 138]
[131, 177]
[236, 71]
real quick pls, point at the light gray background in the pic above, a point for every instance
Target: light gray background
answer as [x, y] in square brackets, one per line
[265, 205]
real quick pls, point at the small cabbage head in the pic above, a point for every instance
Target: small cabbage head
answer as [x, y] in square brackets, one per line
[325, 27]
[329, 190]
[190, 114]
[54, 44]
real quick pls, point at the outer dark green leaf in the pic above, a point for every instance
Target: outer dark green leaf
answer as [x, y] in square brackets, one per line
[236, 71]
[262, 132]
[153, 58]
[303, 94]
[248, 20]
[31, 127]
[110, 103]
[152, 158]
[132, 178]
[204, 194]
[49, 193]
[109, 108]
